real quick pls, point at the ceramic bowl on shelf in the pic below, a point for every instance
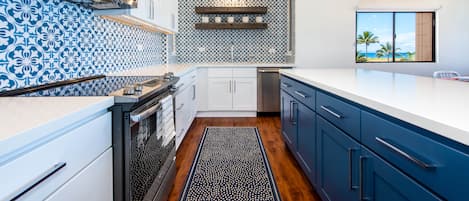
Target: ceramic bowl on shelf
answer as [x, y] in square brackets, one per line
[230, 20]
[217, 19]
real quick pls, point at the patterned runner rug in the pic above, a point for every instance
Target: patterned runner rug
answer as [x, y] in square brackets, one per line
[230, 164]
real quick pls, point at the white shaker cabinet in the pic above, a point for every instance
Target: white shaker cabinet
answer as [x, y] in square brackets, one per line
[185, 105]
[220, 94]
[38, 173]
[245, 94]
[229, 89]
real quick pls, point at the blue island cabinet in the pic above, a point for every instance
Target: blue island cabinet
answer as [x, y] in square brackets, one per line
[380, 181]
[288, 120]
[299, 132]
[338, 163]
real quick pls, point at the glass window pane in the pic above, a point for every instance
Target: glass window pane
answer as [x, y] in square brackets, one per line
[414, 37]
[374, 37]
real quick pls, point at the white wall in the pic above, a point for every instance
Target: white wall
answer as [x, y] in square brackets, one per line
[325, 36]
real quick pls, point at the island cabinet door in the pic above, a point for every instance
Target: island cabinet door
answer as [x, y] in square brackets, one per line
[380, 181]
[306, 147]
[338, 157]
[289, 128]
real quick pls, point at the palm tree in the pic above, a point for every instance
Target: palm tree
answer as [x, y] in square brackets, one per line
[367, 38]
[360, 58]
[386, 51]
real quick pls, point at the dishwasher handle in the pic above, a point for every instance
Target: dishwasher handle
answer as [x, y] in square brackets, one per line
[276, 70]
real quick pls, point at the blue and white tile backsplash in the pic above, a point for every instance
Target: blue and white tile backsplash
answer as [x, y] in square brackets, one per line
[43, 41]
[249, 45]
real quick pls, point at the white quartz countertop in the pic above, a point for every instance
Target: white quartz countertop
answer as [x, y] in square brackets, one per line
[440, 106]
[181, 69]
[25, 120]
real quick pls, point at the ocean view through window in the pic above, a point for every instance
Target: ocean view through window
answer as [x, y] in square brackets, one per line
[393, 37]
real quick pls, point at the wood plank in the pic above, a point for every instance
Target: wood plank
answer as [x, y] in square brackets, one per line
[231, 26]
[292, 183]
[231, 10]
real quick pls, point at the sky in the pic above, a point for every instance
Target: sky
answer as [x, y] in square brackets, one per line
[380, 24]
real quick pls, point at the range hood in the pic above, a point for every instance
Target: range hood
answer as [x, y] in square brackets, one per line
[106, 4]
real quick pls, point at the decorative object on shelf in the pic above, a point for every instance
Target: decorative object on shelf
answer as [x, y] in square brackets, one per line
[205, 19]
[231, 26]
[245, 19]
[217, 19]
[231, 10]
[259, 19]
[230, 20]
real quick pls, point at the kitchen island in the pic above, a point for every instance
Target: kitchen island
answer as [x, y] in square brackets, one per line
[366, 134]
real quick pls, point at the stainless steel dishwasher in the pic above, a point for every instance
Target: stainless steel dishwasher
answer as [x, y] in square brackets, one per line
[268, 90]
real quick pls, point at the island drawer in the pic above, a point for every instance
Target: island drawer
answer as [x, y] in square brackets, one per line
[342, 114]
[441, 168]
[300, 91]
[44, 169]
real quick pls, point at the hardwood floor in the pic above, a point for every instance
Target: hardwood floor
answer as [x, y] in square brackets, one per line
[292, 183]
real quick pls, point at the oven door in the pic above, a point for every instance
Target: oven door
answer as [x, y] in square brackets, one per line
[151, 149]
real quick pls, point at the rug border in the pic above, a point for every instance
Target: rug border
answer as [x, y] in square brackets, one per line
[190, 176]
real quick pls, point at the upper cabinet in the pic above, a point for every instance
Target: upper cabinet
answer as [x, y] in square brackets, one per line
[151, 15]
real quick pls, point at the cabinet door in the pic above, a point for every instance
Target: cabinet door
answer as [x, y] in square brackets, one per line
[306, 147]
[220, 96]
[289, 129]
[383, 182]
[94, 183]
[245, 94]
[338, 163]
[143, 10]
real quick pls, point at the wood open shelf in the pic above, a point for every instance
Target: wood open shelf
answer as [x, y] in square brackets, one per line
[231, 26]
[231, 10]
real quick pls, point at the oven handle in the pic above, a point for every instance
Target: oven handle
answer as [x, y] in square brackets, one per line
[148, 112]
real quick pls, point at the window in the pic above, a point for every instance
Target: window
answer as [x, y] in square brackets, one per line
[386, 37]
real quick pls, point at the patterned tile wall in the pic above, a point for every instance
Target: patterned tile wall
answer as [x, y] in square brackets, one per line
[43, 41]
[249, 45]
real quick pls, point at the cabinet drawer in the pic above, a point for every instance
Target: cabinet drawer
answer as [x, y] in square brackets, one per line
[76, 149]
[186, 81]
[220, 72]
[244, 72]
[301, 92]
[439, 167]
[343, 115]
[94, 183]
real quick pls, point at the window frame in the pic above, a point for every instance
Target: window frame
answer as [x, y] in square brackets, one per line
[394, 38]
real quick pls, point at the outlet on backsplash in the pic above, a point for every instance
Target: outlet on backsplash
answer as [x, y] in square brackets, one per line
[272, 51]
[201, 49]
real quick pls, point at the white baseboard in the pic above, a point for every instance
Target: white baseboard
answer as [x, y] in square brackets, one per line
[226, 114]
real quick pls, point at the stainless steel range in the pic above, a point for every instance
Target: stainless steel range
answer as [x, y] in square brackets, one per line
[143, 129]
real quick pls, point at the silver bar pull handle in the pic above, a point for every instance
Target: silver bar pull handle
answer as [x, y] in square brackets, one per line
[193, 92]
[301, 94]
[44, 176]
[230, 86]
[293, 112]
[350, 169]
[404, 154]
[180, 107]
[285, 85]
[234, 86]
[325, 108]
[269, 71]
[138, 117]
